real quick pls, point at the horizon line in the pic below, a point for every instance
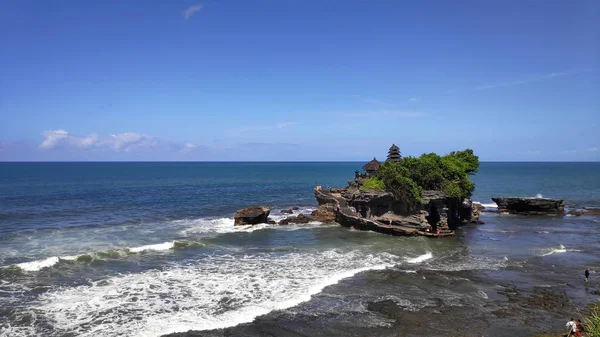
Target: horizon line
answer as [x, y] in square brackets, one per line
[266, 161]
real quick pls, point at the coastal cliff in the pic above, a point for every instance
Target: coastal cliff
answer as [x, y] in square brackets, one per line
[381, 212]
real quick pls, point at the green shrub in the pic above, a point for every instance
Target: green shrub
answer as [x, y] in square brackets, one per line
[450, 173]
[591, 323]
[373, 183]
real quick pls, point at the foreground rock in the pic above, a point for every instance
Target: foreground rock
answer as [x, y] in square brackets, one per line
[251, 215]
[530, 206]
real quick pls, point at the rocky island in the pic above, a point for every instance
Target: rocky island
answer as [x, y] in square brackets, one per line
[427, 196]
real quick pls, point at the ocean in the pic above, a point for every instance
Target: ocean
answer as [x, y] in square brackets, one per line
[149, 249]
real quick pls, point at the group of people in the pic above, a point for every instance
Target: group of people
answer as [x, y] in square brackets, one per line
[575, 328]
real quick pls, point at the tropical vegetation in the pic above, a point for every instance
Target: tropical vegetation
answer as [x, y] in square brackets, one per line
[408, 177]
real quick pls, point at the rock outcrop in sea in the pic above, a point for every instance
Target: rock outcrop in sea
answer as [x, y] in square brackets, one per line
[379, 211]
[251, 215]
[530, 206]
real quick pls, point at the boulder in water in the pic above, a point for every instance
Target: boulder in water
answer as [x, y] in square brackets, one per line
[251, 215]
[530, 206]
[300, 219]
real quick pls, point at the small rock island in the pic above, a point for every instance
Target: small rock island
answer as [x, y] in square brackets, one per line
[426, 195]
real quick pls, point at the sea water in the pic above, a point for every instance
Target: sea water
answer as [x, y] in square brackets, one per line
[148, 249]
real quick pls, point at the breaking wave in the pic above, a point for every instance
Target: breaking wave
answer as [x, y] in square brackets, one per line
[420, 258]
[193, 230]
[219, 292]
[559, 249]
[490, 205]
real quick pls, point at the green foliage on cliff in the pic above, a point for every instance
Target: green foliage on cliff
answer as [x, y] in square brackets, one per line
[373, 183]
[450, 173]
[592, 321]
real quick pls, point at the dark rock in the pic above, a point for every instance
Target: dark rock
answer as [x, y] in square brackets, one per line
[286, 211]
[348, 217]
[251, 215]
[300, 219]
[272, 222]
[295, 208]
[530, 206]
[388, 308]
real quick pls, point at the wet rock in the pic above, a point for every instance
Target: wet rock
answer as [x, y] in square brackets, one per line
[530, 206]
[286, 211]
[251, 215]
[300, 219]
[295, 208]
[387, 308]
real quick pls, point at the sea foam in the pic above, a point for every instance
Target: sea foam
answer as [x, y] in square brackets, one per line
[420, 258]
[559, 249]
[39, 264]
[158, 247]
[217, 292]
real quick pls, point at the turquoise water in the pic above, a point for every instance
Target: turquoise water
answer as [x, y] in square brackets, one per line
[146, 249]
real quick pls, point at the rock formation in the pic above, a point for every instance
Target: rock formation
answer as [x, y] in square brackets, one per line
[251, 215]
[530, 206]
[380, 212]
[300, 219]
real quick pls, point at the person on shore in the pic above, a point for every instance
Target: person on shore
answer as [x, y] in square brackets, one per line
[439, 231]
[579, 327]
[571, 327]
[587, 274]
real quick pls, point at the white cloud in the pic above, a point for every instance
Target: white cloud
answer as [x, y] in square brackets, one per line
[192, 10]
[123, 142]
[414, 99]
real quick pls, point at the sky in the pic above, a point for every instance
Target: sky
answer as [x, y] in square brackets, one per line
[298, 80]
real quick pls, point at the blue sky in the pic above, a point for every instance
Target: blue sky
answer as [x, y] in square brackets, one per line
[299, 80]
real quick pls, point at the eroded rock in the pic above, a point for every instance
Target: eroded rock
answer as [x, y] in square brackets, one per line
[251, 215]
[530, 206]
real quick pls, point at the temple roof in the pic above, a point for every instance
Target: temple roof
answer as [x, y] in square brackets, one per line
[394, 148]
[373, 165]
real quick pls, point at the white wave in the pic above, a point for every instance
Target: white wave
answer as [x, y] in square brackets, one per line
[559, 249]
[205, 226]
[472, 263]
[160, 246]
[38, 264]
[539, 195]
[486, 205]
[420, 258]
[218, 292]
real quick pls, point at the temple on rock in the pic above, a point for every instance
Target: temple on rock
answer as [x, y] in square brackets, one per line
[371, 167]
[394, 153]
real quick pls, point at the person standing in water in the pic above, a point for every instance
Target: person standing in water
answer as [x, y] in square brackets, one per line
[587, 274]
